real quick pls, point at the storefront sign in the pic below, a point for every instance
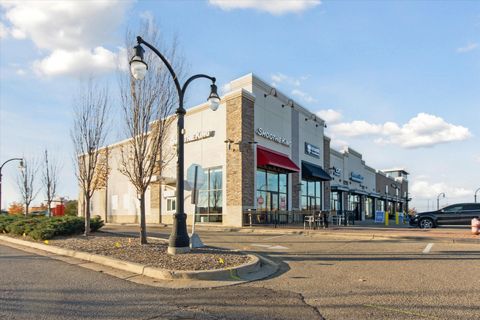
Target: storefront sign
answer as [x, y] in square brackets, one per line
[312, 150]
[336, 171]
[273, 137]
[260, 200]
[357, 177]
[199, 136]
[379, 216]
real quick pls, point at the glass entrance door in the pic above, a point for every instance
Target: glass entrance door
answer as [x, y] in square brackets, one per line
[274, 201]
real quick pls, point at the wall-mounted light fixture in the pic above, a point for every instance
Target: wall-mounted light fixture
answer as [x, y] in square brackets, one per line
[289, 104]
[229, 143]
[273, 93]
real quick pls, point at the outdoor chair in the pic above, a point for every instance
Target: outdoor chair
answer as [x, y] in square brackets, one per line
[322, 219]
[338, 217]
[310, 220]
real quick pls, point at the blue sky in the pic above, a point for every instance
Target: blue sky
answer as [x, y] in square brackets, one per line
[397, 81]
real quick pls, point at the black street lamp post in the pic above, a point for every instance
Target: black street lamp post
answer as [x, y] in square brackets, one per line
[179, 242]
[475, 196]
[1, 167]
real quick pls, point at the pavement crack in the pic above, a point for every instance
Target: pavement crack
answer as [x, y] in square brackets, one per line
[315, 309]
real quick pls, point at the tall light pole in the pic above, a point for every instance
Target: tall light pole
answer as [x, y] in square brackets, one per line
[179, 242]
[438, 199]
[1, 167]
[475, 196]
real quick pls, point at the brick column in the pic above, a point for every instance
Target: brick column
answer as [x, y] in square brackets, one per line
[240, 167]
[326, 166]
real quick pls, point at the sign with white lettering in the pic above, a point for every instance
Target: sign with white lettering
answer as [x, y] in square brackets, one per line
[199, 136]
[379, 216]
[357, 177]
[336, 171]
[312, 150]
[273, 137]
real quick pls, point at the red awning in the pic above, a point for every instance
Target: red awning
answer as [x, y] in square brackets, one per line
[273, 158]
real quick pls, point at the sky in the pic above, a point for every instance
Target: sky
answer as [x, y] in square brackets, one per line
[398, 81]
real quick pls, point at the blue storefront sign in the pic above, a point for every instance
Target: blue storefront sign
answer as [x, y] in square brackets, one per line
[312, 150]
[357, 177]
[379, 216]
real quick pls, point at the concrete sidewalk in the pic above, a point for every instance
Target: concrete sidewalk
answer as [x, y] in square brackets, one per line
[453, 234]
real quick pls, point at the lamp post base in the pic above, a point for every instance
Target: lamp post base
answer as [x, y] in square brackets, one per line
[178, 250]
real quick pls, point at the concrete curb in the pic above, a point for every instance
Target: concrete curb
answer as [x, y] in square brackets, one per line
[239, 273]
[352, 235]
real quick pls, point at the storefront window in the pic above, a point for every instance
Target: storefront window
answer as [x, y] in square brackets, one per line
[272, 190]
[369, 208]
[335, 200]
[209, 206]
[311, 198]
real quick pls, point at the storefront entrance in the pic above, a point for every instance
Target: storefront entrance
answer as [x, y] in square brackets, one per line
[271, 190]
[355, 206]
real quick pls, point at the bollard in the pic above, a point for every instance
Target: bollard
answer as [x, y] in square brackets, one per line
[475, 226]
[386, 218]
[396, 218]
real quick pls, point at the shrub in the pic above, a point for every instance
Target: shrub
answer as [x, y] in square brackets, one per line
[96, 223]
[43, 228]
[42, 233]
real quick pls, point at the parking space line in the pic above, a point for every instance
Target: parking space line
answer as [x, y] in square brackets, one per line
[270, 238]
[400, 311]
[428, 248]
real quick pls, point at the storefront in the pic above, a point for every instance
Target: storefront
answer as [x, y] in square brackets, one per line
[313, 177]
[272, 189]
[259, 152]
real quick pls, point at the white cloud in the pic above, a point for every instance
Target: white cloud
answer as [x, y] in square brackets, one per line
[423, 130]
[278, 78]
[78, 62]
[275, 7]
[70, 31]
[469, 47]
[339, 144]
[305, 96]
[477, 158]
[423, 189]
[330, 116]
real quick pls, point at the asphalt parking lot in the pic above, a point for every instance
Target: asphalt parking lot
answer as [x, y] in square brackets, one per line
[349, 278]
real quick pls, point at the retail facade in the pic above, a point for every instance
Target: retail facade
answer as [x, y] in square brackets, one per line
[259, 152]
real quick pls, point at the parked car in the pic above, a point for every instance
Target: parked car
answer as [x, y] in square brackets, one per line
[455, 214]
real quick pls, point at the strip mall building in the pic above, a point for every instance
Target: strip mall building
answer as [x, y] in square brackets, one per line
[260, 152]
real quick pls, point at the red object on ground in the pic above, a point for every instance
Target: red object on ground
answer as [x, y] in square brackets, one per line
[59, 210]
[475, 226]
[273, 158]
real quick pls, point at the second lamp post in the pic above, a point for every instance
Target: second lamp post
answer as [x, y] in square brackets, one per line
[179, 242]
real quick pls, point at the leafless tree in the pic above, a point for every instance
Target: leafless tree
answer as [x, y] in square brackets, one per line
[88, 134]
[146, 106]
[26, 182]
[50, 172]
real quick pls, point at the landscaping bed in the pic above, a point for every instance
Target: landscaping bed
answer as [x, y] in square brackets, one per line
[153, 254]
[65, 232]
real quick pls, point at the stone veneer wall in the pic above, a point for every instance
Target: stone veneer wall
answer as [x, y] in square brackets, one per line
[240, 168]
[326, 166]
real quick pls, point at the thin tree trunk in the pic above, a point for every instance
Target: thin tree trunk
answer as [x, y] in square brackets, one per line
[143, 227]
[87, 216]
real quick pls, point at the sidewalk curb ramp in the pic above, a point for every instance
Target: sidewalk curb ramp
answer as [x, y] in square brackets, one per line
[256, 269]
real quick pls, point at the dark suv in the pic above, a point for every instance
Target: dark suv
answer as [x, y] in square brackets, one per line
[455, 214]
